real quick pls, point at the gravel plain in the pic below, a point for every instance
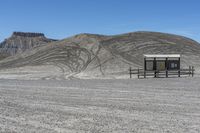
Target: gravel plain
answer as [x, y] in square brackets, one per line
[68, 106]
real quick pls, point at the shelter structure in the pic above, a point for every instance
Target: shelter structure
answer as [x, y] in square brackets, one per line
[162, 62]
[162, 65]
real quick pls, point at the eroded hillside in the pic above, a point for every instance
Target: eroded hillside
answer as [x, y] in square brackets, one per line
[98, 56]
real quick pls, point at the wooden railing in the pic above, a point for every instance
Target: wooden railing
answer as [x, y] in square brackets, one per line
[161, 73]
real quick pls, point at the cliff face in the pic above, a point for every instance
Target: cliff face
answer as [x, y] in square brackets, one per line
[28, 34]
[22, 41]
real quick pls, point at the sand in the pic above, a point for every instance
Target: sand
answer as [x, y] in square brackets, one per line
[70, 106]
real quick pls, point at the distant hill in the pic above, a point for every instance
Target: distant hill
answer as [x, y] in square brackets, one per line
[99, 56]
[20, 42]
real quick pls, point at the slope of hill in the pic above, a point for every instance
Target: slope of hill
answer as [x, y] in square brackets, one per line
[133, 45]
[97, 56]
[22, 41]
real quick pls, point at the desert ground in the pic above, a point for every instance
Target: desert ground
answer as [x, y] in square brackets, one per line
[126, 105]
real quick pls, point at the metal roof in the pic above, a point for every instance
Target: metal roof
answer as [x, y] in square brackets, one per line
[162, 55]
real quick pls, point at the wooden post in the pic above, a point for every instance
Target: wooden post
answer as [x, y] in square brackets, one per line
[138, 73]
[166, 73]
[130, 72]
[145, 67]
[192, 71]
[155, 67]
[179, 67]
[179, 63]
[179, 73]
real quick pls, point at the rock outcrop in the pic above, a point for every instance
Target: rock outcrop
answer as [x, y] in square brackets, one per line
[28, 34]
[22, 41]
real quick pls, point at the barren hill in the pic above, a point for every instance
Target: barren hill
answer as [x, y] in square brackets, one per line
[97, 56]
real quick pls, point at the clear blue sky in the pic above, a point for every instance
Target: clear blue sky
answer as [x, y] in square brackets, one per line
[62, 18]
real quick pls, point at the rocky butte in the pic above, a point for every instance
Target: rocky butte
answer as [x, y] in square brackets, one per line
[22, 41]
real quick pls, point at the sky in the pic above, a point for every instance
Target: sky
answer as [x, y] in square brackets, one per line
[59, 19]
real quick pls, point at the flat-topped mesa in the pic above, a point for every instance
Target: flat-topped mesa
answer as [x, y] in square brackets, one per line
[28, 34]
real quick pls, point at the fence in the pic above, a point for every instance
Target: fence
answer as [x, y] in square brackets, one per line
[161, 73]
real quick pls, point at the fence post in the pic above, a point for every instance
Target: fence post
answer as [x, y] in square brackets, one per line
[192, 71]
[130, 72]
[155, 67]
[179, 73]
[166, 73]
[189, 70]
[138, 73]
[166, 67]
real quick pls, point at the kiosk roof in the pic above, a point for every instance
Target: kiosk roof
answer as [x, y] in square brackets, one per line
[162, 55]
